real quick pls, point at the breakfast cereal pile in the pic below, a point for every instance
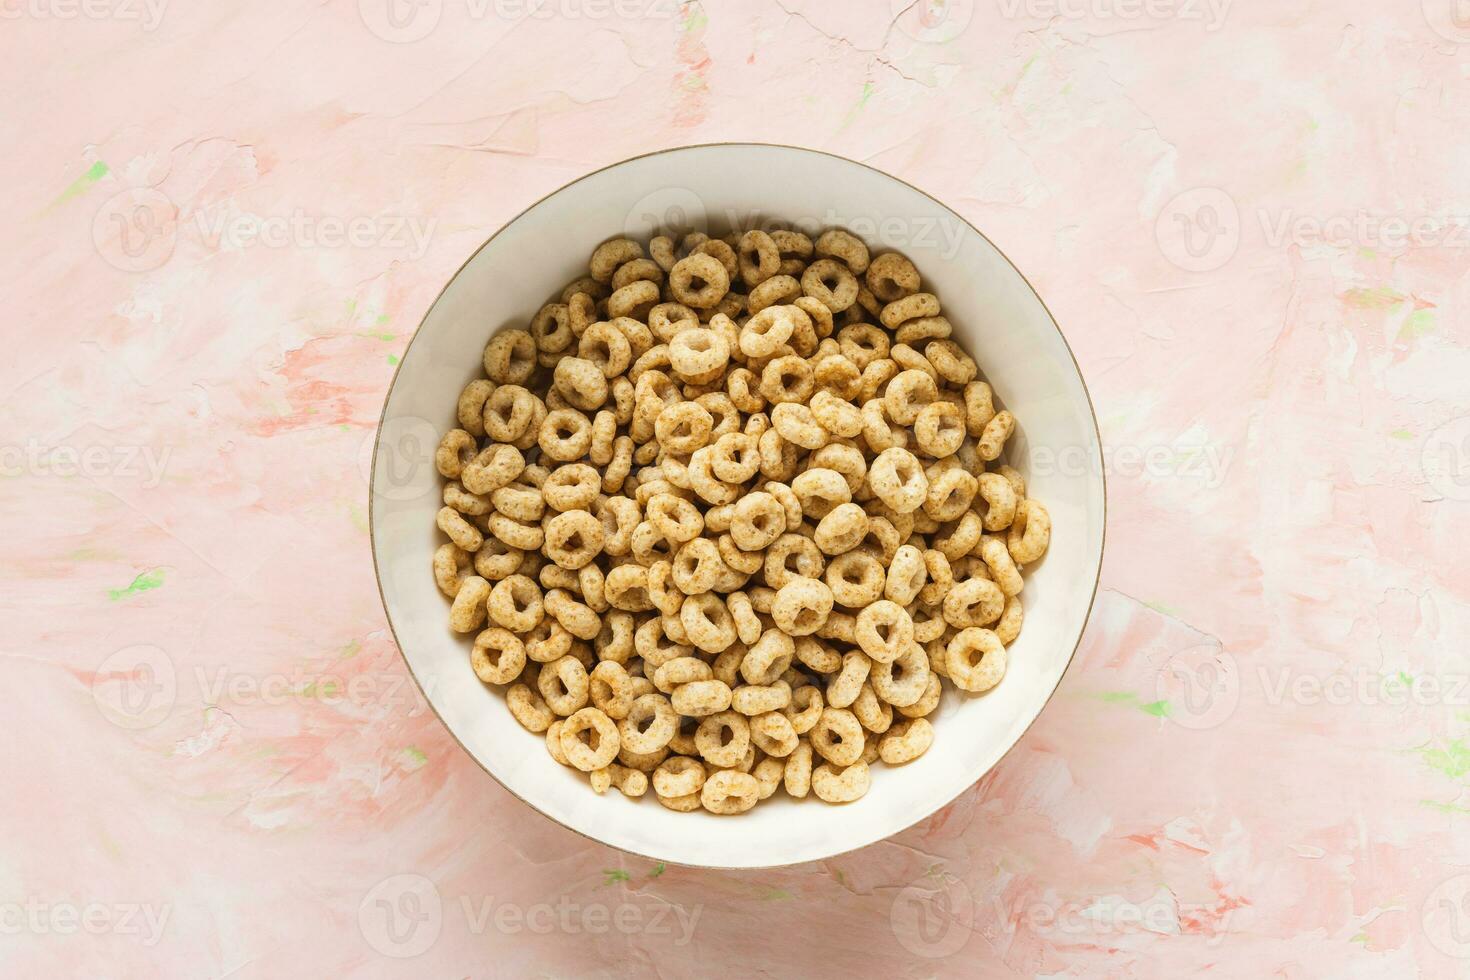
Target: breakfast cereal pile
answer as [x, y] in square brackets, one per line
[725, 514]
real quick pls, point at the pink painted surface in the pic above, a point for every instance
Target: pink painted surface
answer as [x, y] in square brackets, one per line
[1251, 221]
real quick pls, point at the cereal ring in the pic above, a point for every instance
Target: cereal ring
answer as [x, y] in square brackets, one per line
[891, 276]
[711, 741]
[787, 379]
[842, 529]
[909, 308]
[678, 775]
[509, 357]
[471, 406]
[838, 737]
[831, 283]
[707, 622]
[843, 689]
[1029, 534]
[699, 355]
[993, 437]
[573, 539]
[839, 244]
[599, 748]
[757, 522]
[611, 689]
[699, 280]
[777, 290]
[855, 578]
[764, 334]
[527, 708]
[907, 395]
[563, 685]
[874, 714]
[757, 699]
[898, 480]
[581, 382]
[863, 344]
[683, 427]
[767, 658]
[516, 604]
[729, 792]
[609, 255]
[884, 631]
[675, 517]
[939, 428]
[804, 709]
[697, 699]
[906, 575]
[697, 566]
[498, 656]
[836, 415]
[923, 328]
[841, 785]
[802, 606]
[551, 328]
[904, 680]
[975, 659]
[759, 257]
[451, 566]
[797, 777]
[467, 612]
[773, 734]
[1002, 567]
[519, 503]
[906, 742]
[649, 725]
[950, 495]
[973, 602]
[456, 450]
[792, 556]
[572, 487]
[577, 617]
[459, 530]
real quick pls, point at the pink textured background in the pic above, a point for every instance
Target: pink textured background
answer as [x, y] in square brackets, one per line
[1235, 775]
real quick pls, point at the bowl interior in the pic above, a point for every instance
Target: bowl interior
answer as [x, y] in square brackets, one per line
[996, 316]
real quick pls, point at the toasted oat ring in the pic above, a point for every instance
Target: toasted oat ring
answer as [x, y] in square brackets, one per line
[683, 427]
[699, 355]
[510, 357]
[471, 406]
[846, 246]
[773, 733]
[602, 744]
[451, 566]
[765, 333]
[907, 395]
[611, 689]
[863, 344]
[609, 255]
[787, 379]
[649, 724]
[699, 280]
[831, 283]
[711, 744]
[467, 612]
[758, 520]
[572, 487]
[627, 588]
[581, 382]
[498, 656]
[837, 415]
[902, 681]
[707, 622]
[759, 257]
[909, 308]
[573, 539]
[906, 575]
[1030, 533]
[563, 685]
[551, 328]
[777, 290]
[804, 709]
[768, 658]
[884, 631]
[730, 792]
[456, 451]
[1002, 567]
[515, 603]
[1000, 501]
[939, 429]
[855, 578]
[797, 777]
[975, 659]
[464, 535]
[841, 529]
[892, 276]
[838, 736]
[923, 328]
[802, 606]
[606, 347]
[973, 602]
[905, 742]
[510, 413]
[527, 708]
[677, 518]
[678, 775]
[791, 556]
[993, 437]
[898, 480]
[697, 566]
[753, 700]
[950, 495]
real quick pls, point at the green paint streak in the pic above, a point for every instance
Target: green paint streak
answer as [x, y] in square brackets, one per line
[1159, 709]
[358, 518]
[658, 869]
[414, 757]
[1361, 938]
[1379, 298]
[1367, 253]
[1444, 807]
[1404, 434]
[858, 106]
[613, 876]
[82, 184]
[393, 360]
[1453, 760]
[146, 581]
[351, 649]
[770, 893]
[695, 20]
[1157, 606]
[1419, 323]
[382, 319]
[375, 335]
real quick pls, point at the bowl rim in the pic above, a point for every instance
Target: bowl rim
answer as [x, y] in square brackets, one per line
[403, 359]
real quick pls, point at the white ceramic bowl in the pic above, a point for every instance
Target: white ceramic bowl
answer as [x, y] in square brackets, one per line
[996, 316]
